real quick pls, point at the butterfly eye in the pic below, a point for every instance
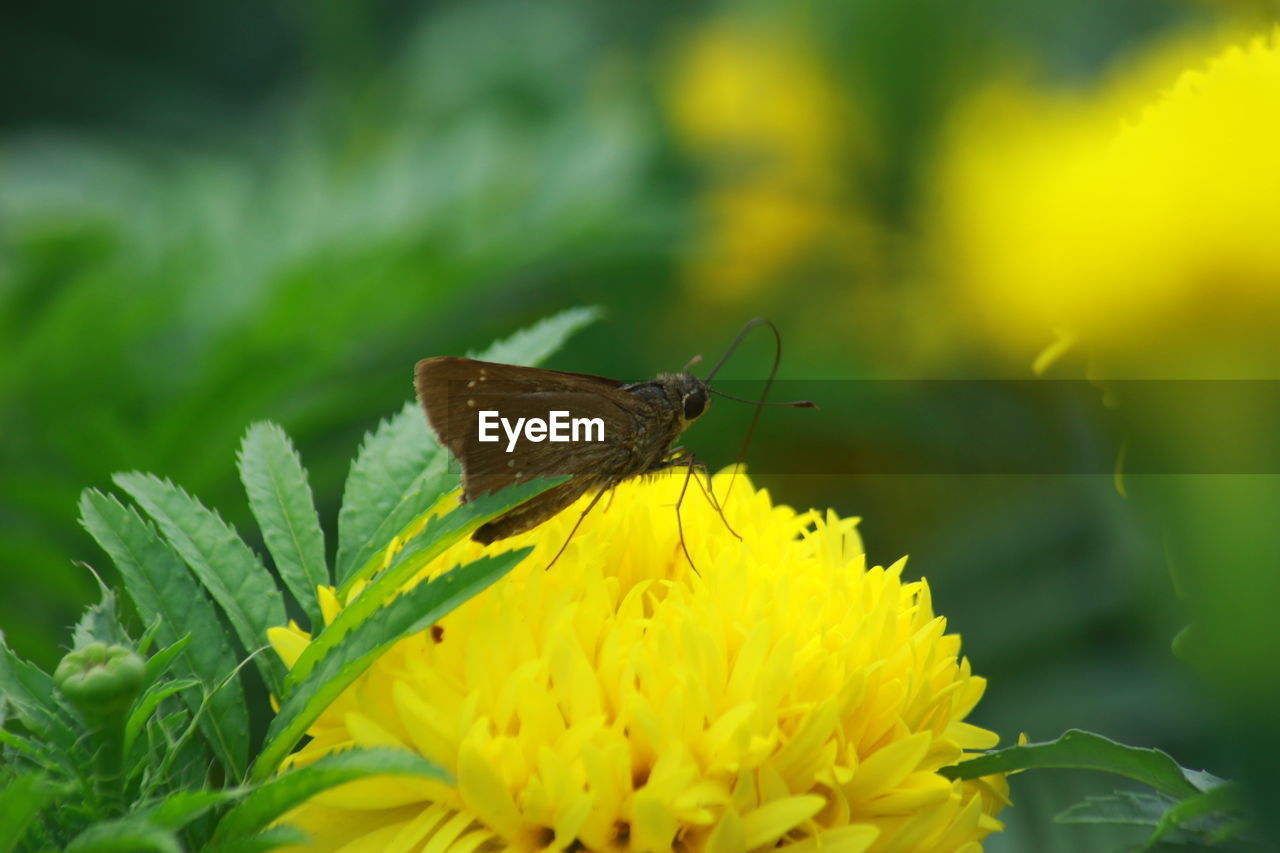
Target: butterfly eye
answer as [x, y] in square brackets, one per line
[695, 404]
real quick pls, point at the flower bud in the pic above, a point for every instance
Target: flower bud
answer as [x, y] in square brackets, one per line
[100, 680]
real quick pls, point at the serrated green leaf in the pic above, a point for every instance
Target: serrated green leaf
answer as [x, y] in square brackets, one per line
[159, 663]
[278, 836]
[281, 500]
[175, 760]
[220, 559]
[1081, 750]
[1126, 808]
[148, 638]
[413, 611]
[179, 809]
[399, 473]
[21, 800]
[29, 692]
[162, 588]
[100, 623]
[438, 535]
[1215, 813]
[147, 704]
[532, 346]
[126, 835]
[1196, 820]
[36, 752]
[295, 787]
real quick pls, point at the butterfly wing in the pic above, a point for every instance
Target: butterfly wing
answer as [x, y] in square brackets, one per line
[454, 391]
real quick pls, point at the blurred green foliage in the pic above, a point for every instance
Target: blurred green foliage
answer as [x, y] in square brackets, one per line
[157, 295]
[213, 215]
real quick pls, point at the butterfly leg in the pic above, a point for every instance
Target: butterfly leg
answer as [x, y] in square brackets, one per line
[710, 493]
[678, 456]
[595, 500]
[680, 521]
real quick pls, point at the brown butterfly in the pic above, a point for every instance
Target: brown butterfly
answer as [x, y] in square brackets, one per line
[638, 425]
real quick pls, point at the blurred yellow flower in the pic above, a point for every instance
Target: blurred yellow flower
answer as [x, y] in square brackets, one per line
[1148, 235]
[754, 102]
[785, 696]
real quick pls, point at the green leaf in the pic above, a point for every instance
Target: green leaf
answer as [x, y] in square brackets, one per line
[174, 759]
[438, 535]
[278, 836]
[159, 663]
[162, 587]
[290, 789]
[413, 611]
[146, 705]
[1081, 750]
[126, 835]
[179, 809]
[399, 473]
[37, 752]
[1215, 812]
[21, 800]
[281, 500]
[100, 623]
[29, 691]
[533, 345]
[149, 637]
[220, 559]
[1125, 808]
[1198, 820]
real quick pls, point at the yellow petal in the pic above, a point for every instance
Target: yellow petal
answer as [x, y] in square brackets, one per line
[771, 821]
[289, 644]
[484, 792]
[653, 824]
[729, 836]
[845, 839]
[443, 838]
[329, 604]
[888, 766]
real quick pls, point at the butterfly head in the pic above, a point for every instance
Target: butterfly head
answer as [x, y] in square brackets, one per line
[693, 394]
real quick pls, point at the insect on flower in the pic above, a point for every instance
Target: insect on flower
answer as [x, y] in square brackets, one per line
[629, 429]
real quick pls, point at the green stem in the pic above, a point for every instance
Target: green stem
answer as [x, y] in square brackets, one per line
[108, 765]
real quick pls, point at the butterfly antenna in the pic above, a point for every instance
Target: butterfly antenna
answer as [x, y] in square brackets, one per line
[790, 404]
[751, 324]
[759, 404]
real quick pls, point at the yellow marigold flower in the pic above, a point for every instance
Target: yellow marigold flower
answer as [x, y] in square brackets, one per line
[761, 94]
[785, 696]
[754, 100]
[1145, 234]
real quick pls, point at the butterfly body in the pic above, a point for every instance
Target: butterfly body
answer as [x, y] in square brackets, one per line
[641, 421]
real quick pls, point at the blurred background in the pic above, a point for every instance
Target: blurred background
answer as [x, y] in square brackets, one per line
[212, 214]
